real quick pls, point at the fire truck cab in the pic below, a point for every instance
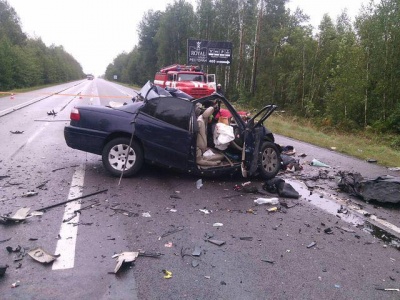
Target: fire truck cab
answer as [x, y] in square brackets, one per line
[189, 79]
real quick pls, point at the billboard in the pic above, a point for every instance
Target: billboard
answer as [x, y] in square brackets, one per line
[209, 52]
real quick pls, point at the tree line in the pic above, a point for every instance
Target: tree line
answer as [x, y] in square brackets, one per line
[27, 62]
[344, 75]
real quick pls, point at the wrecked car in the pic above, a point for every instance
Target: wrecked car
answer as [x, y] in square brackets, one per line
[203, 136]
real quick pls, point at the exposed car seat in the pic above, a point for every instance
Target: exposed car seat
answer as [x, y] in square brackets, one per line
[202, 160]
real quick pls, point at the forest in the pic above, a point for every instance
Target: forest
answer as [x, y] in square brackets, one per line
[343, 74]
[27, 62]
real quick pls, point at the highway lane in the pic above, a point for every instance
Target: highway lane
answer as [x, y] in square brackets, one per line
[265, 254]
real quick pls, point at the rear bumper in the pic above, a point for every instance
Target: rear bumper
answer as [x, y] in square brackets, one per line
[87, 140]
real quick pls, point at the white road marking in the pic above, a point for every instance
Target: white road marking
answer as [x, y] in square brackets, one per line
[33, 136]
[68, 233]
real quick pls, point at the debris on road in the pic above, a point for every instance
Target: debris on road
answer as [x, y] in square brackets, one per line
[168, 245]
[3, 269]
[73, 199]
[268, 261]
[272, 209]
[388, 289]
[278, 185]
[29, 193]
[372, 160]
[124, 257]
[394, 169]
[196, 251]
[288, 150]
[289, 163]
[15, 284]
[170, 232]
[167, 274]
[199, 184]
[218, 225]
[312, 244]
[317, 163]
[195, 263]
[205, 211]
[385, 189]
[17, 132]
[216, 242]
[146, 215]
[20, 215]
[42, 256]
[272, 201]
[52, 113]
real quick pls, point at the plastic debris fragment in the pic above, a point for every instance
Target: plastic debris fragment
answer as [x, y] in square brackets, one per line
[42, 256]
[124, 257]
[20, 215]
[167, 274]
[273, 201]
[317, 163]
[199, 183]
[3, 269]
[218, 224]
[216, 242]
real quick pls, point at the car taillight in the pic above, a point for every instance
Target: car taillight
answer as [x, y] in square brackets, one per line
[75, 116]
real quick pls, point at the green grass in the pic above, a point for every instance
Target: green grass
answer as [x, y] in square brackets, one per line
[363, 145]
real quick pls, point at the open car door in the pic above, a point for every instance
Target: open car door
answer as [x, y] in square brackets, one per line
[260, 154]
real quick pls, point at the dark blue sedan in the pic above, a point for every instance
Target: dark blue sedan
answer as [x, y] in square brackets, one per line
[170, 129]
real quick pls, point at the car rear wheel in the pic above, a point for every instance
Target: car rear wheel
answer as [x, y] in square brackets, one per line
[270, 160]
[119, 157]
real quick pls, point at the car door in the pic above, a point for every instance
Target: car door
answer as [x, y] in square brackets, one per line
[254, 134]
[165, 127]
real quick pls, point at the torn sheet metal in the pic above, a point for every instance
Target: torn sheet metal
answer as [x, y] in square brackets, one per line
[20, 215]
[42, 256]
[124, 257]
[3, 269]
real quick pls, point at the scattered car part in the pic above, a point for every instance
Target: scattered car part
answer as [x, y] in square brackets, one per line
[73, 199]
[20, 215]
[3, 269]
[124, 257]
[42, 256]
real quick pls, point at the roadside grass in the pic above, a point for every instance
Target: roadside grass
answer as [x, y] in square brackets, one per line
[362, 145]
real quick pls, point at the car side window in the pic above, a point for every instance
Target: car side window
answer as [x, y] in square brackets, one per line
[174, 111]
[150, 107]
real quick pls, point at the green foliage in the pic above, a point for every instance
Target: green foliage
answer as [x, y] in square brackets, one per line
[342, 77]
[28, 62]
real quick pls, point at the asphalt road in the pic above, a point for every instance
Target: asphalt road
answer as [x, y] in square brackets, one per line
[286, 254]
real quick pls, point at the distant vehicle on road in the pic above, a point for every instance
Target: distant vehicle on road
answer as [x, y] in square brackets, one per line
[189, 79]
[90, 77]
[165, 129]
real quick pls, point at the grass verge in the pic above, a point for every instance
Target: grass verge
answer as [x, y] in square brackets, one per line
[360, 145]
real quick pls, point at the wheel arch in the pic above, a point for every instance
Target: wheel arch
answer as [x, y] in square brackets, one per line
[115, 135]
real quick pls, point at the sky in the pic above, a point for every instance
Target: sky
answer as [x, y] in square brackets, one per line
[94, 32]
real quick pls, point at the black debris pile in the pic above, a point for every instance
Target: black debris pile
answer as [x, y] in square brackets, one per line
[52, 113]
[384, 189]
[279, 186]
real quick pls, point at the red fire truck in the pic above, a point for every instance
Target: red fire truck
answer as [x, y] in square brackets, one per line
[189, 79]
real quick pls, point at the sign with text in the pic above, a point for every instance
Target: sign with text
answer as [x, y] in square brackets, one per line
[209, 52]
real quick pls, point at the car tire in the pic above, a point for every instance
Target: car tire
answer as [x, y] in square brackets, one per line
[269, 160]
[115, 153]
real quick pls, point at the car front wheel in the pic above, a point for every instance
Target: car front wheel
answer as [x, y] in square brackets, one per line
[270, 160]
[120, 157]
